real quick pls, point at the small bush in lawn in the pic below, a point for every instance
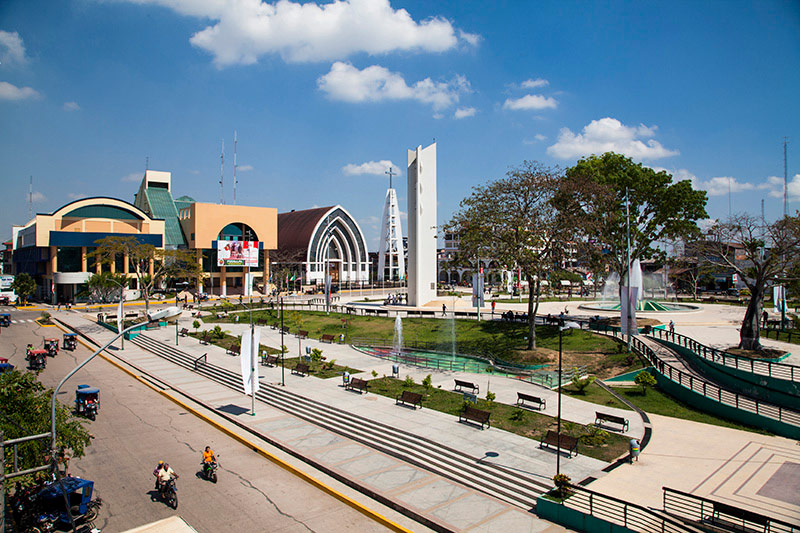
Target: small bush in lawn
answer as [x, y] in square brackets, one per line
[580, 383]
[517, 415]
[645, 379]
[594, 436]
[375, 374]
[408, 382]
[316, 355]
[218, 333]
[490, 397]
[428, 382]
[196, 325]
[562, 483]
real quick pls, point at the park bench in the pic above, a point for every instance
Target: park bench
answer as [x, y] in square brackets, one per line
[475, 415]
[327, 338]
[461, 385]
[302, 334]
[235, 349]
[205, 338]
[275, 325]
[410, 398]
[184, 332]
[356, 383]
[269, 360]
[152, 325]
[285, 330]
[605, 417]
[567, 443]
[301, 368]
[131, 315]
[261, 321]
[541, 403]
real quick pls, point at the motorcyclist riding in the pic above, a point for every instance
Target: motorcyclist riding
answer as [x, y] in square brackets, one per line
[209, 464]
[164, 475]
[208, 456]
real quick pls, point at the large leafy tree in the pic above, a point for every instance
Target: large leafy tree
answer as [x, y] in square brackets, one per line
[105, 285]
[23, 285]
[595, 192]
[25, 411]
[515, 222]
[166, 263]
[759, 253]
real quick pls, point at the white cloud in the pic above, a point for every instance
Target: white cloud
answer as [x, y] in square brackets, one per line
[536, 139]
[244, 30]
[775, 186]
[377, 168]
[706, 224]
[464, 112]
[375, 83]
[531, 101]
[71, 106]
[609, 135]
[12, 50]
[534, 84]
[76, 195]
[38, 197]
[540, 137]
[133, 176]
[721, 185]
[472, 39]
[12, 92]
[244, 168]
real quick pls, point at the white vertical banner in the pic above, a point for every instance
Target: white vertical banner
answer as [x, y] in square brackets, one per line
[623, 309]
[249, 354]
[778, 298]
[120, 314]
[627, 320]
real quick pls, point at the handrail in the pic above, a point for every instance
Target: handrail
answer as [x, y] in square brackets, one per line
[630, 515]
[711, 390]
[772, 369]
[705, 510]
[203, 357]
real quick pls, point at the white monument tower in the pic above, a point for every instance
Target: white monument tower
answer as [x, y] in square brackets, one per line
[422, 225]
[391, 238]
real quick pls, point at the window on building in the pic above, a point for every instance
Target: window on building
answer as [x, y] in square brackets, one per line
[68, 259]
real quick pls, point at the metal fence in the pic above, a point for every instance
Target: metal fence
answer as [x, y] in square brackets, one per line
[626, 514]
[764, 368]
[712, 391]
[706, 512]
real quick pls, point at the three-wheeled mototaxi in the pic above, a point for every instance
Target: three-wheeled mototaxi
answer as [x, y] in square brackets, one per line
[70, 341]
[87, 401]
[51, 506]
[51, 345]
[37, 359]
[5, 319]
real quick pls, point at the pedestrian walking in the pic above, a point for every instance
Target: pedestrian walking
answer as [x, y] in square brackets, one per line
[493, 304]
[671, 326]
[444, 309]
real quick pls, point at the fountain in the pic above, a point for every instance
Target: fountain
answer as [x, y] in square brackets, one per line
[398, 335]
[611, 296]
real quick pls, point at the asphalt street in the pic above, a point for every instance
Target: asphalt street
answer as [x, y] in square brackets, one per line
[136, 427]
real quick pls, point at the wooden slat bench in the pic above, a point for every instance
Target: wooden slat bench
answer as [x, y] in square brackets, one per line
[461, 385]
[261, 321]
[302, 334]
[475, 415]
[152, 325]
[410, 398]
[541, 403]
[235, 349]
[269, 360]
[275, 325]
[567, 443]
[327, 338]
[205, 338]
[605, 417]
[356, 384]
[184, 332]
[301, 368]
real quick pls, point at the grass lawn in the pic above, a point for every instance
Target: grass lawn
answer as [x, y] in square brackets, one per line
[229, 340]
[321, 369]
[657, 402]
[509, 418]
[594, 393]
[491, 338]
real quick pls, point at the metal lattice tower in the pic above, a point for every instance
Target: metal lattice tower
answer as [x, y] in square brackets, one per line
[391, 245]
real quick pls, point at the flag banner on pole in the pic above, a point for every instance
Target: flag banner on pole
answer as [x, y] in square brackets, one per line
[778, 298]
[627, 320]
[623, 310]
[634, 299]
[249, 354]
[120, 313]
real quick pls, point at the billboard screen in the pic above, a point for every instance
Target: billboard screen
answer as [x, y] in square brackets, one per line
[237, 253]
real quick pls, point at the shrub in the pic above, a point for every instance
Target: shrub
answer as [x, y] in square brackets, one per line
[375, 374]
[428, 382]
[594, 436]
[518, 415]
[217, 332]
[408, 382]
[562, 483]
[490, 397]
[45, 316]
[316, 355]
[645, 379]
[580, 383]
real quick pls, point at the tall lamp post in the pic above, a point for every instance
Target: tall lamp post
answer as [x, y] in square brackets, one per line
[562, 326]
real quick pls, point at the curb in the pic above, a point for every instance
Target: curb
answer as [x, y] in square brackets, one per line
[366, 511]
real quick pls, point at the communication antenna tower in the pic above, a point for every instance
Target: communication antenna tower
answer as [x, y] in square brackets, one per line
[785, 179]
[221, 166]
[30, 198]
[235, 181]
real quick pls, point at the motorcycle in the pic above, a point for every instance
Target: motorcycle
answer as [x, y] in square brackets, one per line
[168, 491]
[210, 471]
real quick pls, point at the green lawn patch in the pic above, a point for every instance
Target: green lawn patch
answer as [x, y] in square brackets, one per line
[594, 393]
[227, 340]
[322, 369]
[510, 418]
[655, 401]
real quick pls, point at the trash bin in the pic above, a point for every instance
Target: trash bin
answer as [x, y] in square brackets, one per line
[308, 350]
[396, 370]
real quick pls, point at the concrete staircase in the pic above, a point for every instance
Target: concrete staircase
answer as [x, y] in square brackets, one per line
[505, 484]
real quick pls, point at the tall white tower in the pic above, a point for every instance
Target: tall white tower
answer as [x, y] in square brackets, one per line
[391, 238]
[422, 225]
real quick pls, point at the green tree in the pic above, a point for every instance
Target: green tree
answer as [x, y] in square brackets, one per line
[759, 253]
[106, 285]
[515, 222]
[165, 263]
[645, 379]
[595, 192]
[23, 285]
[25, 410]
[580, 383]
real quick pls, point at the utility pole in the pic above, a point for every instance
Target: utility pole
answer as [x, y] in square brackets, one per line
[235, 140]
[785, 179]
[30, 198]
[221, 167]
[628, 288]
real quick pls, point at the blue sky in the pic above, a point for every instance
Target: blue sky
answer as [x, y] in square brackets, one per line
[323, 96]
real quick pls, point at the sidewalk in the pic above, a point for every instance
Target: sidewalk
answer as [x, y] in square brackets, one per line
[433, 497]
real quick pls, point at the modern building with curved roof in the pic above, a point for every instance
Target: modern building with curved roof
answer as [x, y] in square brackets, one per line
[312, 240]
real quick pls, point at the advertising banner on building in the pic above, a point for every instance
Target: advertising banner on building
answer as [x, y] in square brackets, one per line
[237, 253]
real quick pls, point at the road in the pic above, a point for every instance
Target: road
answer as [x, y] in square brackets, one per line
[137, 426]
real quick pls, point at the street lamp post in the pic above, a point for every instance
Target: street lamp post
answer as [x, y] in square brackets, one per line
[561, 327]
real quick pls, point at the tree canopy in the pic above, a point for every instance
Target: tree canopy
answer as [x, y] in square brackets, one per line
[514, 221]
[23, 285]
[595, 191]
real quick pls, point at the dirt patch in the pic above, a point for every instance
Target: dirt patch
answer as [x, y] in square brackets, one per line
[764, 353]
[602, 365]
